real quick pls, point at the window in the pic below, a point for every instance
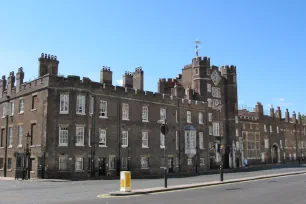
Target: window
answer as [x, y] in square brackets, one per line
[20, 132]
[9, 163]
[64, 103]
[34, 102]
[21, 106]
[216, 129]
[2, 138]
[189, 162]
[12, 106]
[237, 133]
[209, 102]
[190, 139]
[79, 140]
[63, 136]
[5, 109]
[33, 127]
[208, 87]
[124, 162]
[266, 143]
[102, 137]
[111, 162]
[252, 145]
[216, 92]
[172, 92]
[201, 140]
[271, 129]
[79, 164]
[125, 138]
[80, 107]
[210, 117]
[144, 162]
[125, 111]
[145, 113]
[251, 126]
[188, 116]
[196, 71]
[281, 144]
[145, 140]
[202, 161]
[103, 109]
[62, 163]
[277, 129]
[10, 140]
[236, 119]
[210, 130]
[200, 118]
[163, 114]
[265, 128]
[91, 105]
[162, 140]
[1, 163]
[176, 140]
[89, 137]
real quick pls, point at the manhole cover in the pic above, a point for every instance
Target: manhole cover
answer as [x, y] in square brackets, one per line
[232, 189]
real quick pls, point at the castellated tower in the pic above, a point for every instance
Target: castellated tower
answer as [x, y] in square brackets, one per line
[48, 64]
[230, 106]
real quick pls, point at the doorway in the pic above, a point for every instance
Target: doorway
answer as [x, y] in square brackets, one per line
[102, 166]
[274, 154]
[170, 164]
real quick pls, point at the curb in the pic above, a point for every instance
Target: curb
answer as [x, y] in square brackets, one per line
[190, 186]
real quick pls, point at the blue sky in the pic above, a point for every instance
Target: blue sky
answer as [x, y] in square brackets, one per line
[264, 39]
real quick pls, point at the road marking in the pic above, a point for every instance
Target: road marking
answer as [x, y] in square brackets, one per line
[194, 188]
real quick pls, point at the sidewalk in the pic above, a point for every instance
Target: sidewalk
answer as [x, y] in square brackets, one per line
[203, 184]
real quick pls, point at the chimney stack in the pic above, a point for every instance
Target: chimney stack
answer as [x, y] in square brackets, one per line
[294, 117]
[19, 79]
[287, 117]
[10, 83]
[127, 80]
[106, 75]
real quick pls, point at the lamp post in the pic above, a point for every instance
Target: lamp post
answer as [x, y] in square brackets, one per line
[27, 155]
[164, 130]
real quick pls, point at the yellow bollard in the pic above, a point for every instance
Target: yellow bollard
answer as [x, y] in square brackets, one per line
[125, 180]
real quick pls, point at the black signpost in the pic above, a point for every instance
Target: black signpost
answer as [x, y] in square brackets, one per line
[164, 130]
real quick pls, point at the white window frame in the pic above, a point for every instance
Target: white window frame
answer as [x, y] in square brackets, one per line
[209, 117]
[125, 111]
[144, 162]
[145, 114]
[64, 103]
[188, 116]
[162, 140]
[209, 101]
[63, 163]
[237, 132]
[265, 128]
[145, 140]
[89, 137]
[277, 129]
[124, 162]
[91, 105]
[266, 143]
[190, 139]
[163, 114]
[80, 104]
[216, 92]
[20, 133]
[79, 136]
[5, 109]
[216, 129]
[201, 121]
[112, 162]
[103, 109]
[21, 106]
[12, 108]
[62, 133]
[10, 136]
[201, 140]
[125, 139]
[79, 164]
[271, 129]
[102, 137]
[202, 161]
[208, 87]
[210, 130]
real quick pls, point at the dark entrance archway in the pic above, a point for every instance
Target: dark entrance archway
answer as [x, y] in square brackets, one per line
[274, 153]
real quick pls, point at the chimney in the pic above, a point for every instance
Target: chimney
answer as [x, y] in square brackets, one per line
[259, 109]
[179, 91]
[2, 86]
[287, 117]
[294, 117]
[127, 80]
[48, 64]
[279, 112]
[138, 79]
[19, 79]
[161, 86]
[272, 112]
[189, 94]
[106, 75]
[10, 83]
[299, 118]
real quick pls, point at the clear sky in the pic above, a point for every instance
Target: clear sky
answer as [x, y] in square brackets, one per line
[266, 40]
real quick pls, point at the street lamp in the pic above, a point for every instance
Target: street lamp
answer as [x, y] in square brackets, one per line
[27, 155]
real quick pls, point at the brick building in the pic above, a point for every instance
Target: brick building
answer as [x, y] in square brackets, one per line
[78, 128]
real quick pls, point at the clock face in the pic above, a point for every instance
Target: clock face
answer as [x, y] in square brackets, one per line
[215, 78]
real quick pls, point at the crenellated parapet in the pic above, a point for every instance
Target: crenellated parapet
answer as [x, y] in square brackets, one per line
[166, 85]
[201, 61]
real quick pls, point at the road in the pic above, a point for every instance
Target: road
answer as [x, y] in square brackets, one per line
[46, 192]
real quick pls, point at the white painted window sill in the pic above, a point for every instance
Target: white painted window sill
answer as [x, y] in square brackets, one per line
[103, 117]
[145, 147]
[10, 147]
[124, 146]
[19, 146]
[145, 168]
[33, 110]
[102, 146]
[125, 119]
[145, 121]
[3, 117]
[21, 113]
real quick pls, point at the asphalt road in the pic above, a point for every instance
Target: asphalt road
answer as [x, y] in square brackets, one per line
[47, 192]
[282, 190]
